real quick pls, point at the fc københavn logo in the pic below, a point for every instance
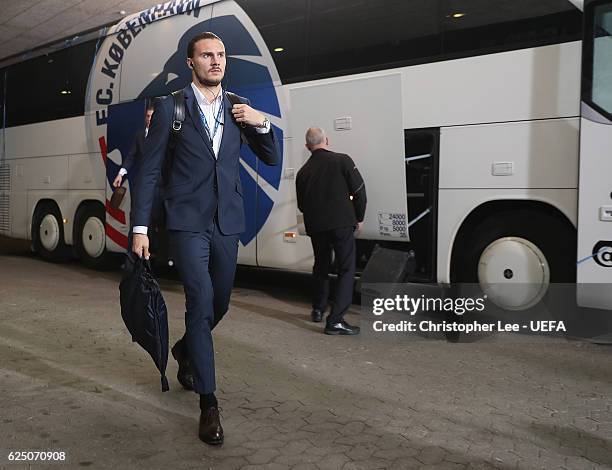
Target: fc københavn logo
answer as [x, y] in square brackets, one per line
[117, 120]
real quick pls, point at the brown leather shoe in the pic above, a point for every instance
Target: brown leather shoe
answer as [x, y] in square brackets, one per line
[184, 375]
[210, 430]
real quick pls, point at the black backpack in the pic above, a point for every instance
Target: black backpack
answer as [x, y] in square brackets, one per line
[178, 116]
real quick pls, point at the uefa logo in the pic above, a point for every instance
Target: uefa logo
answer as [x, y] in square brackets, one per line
[602, 253]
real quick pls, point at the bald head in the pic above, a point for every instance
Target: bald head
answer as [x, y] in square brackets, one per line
[316, 139]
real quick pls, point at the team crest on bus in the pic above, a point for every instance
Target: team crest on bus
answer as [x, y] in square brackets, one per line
[143, 58]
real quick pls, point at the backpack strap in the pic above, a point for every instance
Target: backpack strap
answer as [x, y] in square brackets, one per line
[178, 116]
[235, 99]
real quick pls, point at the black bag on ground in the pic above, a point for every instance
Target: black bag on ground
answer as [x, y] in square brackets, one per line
[144, 311]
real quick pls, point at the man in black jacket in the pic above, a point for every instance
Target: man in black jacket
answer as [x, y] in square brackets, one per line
[331, 195]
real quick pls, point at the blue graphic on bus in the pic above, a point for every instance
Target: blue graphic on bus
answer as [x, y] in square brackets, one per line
[248, 79]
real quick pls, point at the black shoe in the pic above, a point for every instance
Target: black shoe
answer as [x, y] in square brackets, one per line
[341, 328]
[184, 375]
[210, 430]
[316, 315]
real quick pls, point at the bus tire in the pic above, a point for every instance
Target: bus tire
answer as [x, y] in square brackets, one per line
[90, 237]
[489, 254]
[48, 233]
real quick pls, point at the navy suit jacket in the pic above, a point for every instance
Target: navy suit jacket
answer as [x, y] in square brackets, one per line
[134, 157]
[199, 185]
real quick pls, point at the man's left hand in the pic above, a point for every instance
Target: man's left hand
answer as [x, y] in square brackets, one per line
[117, 181]
[243, 113]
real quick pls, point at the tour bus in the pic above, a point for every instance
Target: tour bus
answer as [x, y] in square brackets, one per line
[482, 128]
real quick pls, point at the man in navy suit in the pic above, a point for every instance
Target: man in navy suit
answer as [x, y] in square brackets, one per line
[131, 163]
[204, 207]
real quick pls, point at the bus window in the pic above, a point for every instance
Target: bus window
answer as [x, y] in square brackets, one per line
[353, 35]
[48, 87]
[283, 25]
[312, 39]
[473, 28]
[601, 91]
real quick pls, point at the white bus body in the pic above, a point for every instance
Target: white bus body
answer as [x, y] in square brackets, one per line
[503, 127]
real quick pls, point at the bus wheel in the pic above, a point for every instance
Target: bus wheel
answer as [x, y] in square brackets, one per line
[515, 256]
[48, 233]
[90, 237]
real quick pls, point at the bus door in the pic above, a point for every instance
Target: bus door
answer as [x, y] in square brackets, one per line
[594, 263]
[362, 117]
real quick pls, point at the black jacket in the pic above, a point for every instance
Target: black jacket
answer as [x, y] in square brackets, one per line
[324, 186]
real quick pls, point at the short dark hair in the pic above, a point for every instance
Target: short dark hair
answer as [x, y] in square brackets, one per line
[199, 37]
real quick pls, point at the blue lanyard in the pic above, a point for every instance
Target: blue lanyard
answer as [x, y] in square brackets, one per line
[217, 120]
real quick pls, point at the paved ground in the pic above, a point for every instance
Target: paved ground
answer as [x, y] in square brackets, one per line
[291, 397]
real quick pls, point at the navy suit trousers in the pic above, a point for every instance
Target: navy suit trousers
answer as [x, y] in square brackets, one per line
[206, 262]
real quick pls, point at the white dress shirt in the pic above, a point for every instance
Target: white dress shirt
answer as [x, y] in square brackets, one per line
[210, 110]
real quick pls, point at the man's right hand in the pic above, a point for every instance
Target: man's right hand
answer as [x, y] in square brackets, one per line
[117, 181]
[140, 245]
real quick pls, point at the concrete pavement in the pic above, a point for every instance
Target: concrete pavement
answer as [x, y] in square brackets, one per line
[72, 381]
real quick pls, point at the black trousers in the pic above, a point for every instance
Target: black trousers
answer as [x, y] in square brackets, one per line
[342, 242]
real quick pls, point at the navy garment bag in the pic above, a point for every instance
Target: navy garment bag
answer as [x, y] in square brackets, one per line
[144, 311]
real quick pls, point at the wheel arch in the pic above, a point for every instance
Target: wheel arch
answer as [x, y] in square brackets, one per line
[495, 208]
[105, 259]
[83, 205]
[38, 205]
